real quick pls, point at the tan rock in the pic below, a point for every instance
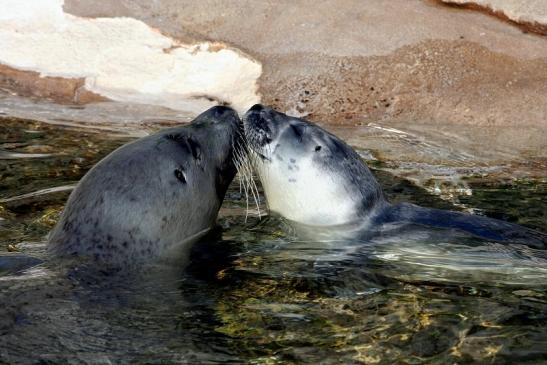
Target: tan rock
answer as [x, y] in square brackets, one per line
[530, 14]
[58, 89]
[352, 61]
[436, 81]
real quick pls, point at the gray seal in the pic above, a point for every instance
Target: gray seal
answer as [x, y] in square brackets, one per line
[313, 178]
[152, 197]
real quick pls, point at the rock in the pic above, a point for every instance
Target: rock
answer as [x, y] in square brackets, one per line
[121, 59]
[59, 89]
[530, 14]
[368, 61]
[396, 61]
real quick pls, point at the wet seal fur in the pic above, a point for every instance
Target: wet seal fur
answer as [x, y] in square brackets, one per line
[313, 178]
[152, 197]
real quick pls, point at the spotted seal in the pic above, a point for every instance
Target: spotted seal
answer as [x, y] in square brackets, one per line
[152, 197]
[313, 178]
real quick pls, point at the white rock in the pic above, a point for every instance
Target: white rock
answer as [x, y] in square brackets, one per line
[123, 58]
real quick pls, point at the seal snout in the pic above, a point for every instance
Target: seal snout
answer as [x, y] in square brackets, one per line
[220, 113]
[216, 114]
[256, 108]
[257, 123]
[220, 116]
[220, 110]
[257, 116]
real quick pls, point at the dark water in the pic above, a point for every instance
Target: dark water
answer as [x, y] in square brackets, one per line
[256, 293]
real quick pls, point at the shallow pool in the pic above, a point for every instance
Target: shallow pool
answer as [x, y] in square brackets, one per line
[255, 293]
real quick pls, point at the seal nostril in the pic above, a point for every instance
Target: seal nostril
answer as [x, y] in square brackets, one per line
[256, 108]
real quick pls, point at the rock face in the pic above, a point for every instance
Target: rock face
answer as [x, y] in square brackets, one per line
[351, 61]
[59, 89]
[356, 61]
[121, 59]
[436, 82]
[531, 14]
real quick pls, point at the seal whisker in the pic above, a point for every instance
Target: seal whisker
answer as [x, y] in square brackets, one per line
[237, 162]
[251, 162]
[251, 184]
[241, 177]
[245, 176]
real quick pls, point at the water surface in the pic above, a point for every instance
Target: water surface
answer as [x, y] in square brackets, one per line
[255, 292]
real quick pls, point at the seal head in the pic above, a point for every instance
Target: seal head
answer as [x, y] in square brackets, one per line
[151, 197]
[309, 175]
[313, 178]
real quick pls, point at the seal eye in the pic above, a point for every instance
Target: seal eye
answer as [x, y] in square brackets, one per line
[317, 148]
[180, 175]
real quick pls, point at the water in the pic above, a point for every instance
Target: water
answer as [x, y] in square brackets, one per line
[256, 292]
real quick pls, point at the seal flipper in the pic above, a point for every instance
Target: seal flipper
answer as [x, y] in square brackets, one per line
[16, 263]
[484, 227]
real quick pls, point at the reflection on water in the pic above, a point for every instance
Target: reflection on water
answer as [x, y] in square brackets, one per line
[257, 292]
